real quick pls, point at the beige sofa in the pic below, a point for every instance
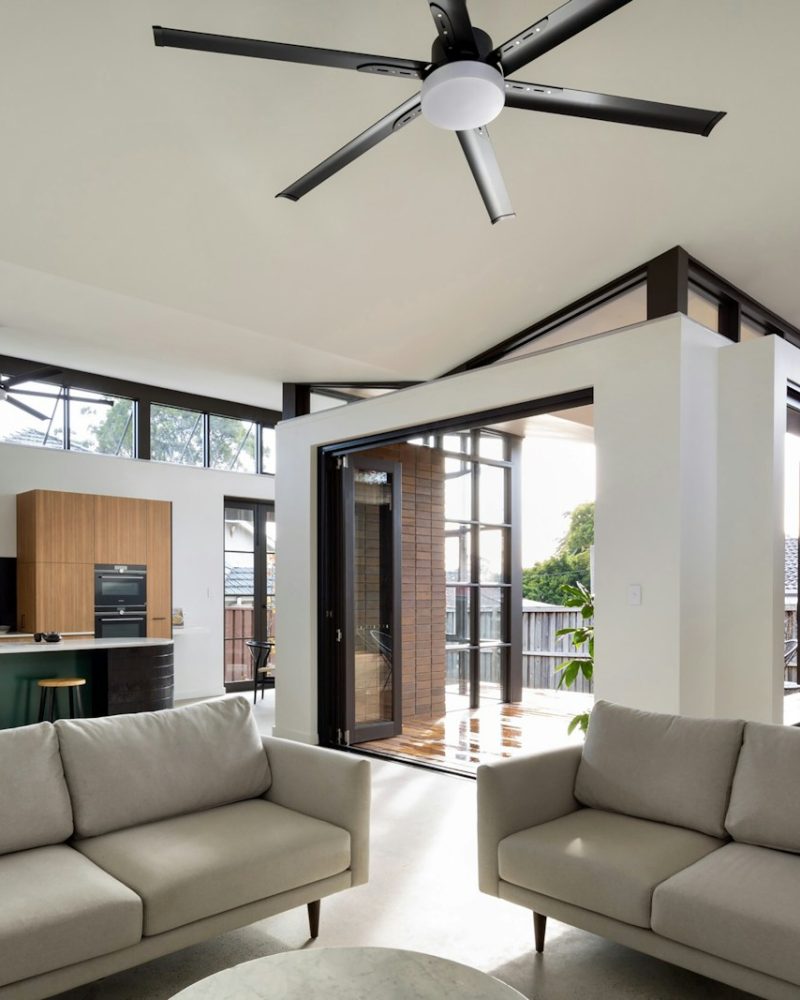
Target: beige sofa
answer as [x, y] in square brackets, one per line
[678, 837]
[123, 839]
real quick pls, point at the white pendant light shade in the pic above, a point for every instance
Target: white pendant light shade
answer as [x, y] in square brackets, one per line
[463, 95]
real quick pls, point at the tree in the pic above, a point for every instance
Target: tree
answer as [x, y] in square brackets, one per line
[569, 565]
[177, 436]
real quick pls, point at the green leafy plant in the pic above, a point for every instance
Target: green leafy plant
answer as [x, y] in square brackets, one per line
[582, 636]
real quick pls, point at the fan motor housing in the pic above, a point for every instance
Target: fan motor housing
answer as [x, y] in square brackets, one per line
[463, 95]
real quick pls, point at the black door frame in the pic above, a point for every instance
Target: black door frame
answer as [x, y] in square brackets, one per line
[259, 580]
[392, 609]
[330, 659]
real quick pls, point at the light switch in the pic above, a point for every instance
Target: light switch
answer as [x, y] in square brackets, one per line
[635, 594]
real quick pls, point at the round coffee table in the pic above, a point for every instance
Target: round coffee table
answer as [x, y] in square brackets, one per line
[350, 974]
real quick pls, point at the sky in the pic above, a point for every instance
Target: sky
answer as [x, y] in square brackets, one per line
[558, 472]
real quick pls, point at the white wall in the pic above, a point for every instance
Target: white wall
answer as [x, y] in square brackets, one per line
[197, 496]
[655, 390]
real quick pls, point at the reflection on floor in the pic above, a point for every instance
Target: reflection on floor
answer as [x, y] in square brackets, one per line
[461, 740]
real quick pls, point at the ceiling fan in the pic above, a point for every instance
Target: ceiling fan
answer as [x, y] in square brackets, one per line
[9, 390]
[465, 85]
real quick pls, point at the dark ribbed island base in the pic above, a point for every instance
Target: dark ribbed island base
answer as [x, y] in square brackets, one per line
[133, 679]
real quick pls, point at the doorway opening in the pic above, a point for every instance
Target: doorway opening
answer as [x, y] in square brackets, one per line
[248, 588]
[422, 537]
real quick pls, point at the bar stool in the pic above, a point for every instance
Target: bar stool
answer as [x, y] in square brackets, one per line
[50, 688]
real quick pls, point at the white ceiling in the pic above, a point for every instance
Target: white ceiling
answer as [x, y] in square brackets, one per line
[139, 233]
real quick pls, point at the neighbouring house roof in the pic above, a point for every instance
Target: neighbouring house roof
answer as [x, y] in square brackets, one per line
[238, 581]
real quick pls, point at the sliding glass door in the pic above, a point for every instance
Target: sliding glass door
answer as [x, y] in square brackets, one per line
[371, 526]
[249, 586]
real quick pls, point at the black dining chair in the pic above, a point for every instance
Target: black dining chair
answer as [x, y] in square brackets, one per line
[260, 652]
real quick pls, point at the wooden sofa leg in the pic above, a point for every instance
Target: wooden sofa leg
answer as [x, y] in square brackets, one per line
[539, 929]
[313, 918]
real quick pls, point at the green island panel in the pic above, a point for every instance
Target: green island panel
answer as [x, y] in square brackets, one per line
[19, 672]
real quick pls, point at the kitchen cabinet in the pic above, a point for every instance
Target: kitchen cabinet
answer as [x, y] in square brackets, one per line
[55, 597]
[55, 527]
[60, 538]
[120, 530]
[159, 569]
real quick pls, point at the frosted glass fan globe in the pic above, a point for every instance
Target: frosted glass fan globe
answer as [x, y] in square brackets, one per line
[463, 95]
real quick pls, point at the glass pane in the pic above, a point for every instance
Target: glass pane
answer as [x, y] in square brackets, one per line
[493, 603]
[457, 490]
[456, 442]
[457, 679]
[457, 547]
[239, 625]
[176, 435]
[492, 446]
[622, 310]
[492, 542]
[19, 427]
[101, 424]
[750, 330]
[232, 445]
[492, 662]
[268, 450]
[372, 598]
[423, 442]
[492, 485]
[457, 627]
[703, 308]
[239, 529]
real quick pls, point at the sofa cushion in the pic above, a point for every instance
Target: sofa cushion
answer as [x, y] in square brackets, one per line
[130, 769]
[764, 808]
[741, 904]
[667, 768]
[601, 861]
[58, 909]
[191, 867]
[34, 802]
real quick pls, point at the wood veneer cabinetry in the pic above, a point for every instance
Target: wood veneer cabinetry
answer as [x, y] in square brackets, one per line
[60, 537]
[159, 569]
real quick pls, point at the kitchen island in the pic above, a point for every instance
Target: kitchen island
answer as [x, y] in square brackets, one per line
[122, 675]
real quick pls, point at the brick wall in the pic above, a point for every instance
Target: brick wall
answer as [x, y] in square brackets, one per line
[423, 598]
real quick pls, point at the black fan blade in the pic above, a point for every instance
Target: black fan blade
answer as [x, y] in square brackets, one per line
[479, 152]
[407, 112]
[451, 18]
[32, 376]
[229, 45]
[603, 107]
[565, 22]
[26, 408]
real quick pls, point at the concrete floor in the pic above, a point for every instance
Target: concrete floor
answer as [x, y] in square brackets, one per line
[422, 895]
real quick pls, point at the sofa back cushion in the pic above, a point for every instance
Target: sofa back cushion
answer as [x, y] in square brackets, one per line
[765, 807]
[126, 770]
[34, 802]
[666, 768]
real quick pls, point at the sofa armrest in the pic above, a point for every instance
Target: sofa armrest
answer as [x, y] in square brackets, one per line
[516, 794]
[328, 785]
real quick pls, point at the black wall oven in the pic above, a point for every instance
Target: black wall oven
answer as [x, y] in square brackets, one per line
[120, 587]
[120, 624]
[120, 602]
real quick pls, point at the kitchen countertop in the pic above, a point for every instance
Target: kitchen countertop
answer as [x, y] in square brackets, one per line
[75, 645]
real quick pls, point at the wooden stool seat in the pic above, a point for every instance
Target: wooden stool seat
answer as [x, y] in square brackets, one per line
[50, 687]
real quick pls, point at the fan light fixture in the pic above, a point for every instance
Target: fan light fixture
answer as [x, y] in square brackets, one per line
[463, 95]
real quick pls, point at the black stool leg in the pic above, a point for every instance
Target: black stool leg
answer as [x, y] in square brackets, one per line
[72, 703]
[52, 704]
[80, 703]
[42, 698]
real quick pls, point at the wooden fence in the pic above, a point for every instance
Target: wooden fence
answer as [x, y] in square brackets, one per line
[238, 628]
[543, 652]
